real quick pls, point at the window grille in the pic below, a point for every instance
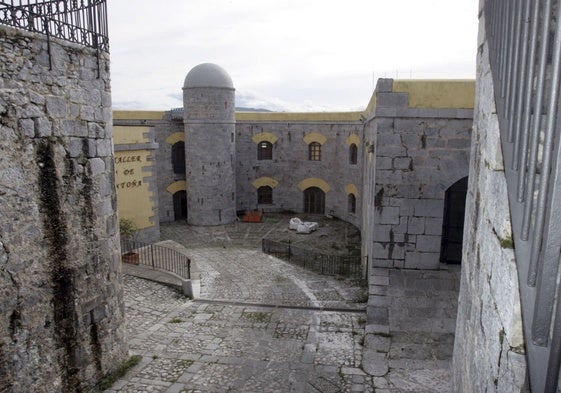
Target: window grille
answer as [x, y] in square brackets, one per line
[314, 151]
[353, 154]
[265, 195]
[352, 203]
[264, 151]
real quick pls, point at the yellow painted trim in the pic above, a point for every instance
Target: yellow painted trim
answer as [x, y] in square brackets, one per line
[264, 181]
[265, 137]
[130, 135]
[180, 185]
[298, 116]
[438, 94]
[175, 137]
[138, 115]
[315, 137]
[353, 138]
[314, 182]
[351, 189]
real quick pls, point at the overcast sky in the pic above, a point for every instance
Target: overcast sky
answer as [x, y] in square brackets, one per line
[286, 55]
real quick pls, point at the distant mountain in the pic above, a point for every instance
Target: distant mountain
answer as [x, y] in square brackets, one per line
[244, 109]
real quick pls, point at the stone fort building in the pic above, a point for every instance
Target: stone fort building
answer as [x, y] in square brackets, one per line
[402, 171]
[205, 162]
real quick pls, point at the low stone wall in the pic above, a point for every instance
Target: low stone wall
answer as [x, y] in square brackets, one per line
[62, 312]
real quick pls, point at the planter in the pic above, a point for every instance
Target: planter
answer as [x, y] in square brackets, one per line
[131, 257]
[253, 216]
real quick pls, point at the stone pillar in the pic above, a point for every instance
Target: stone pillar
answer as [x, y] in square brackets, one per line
[209, 107]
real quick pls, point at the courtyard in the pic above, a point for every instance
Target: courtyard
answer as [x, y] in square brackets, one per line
[263, 325]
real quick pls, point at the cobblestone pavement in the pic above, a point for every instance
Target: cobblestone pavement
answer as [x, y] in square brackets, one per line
[263, 325]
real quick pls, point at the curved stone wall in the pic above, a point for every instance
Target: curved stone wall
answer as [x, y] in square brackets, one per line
[61, 325]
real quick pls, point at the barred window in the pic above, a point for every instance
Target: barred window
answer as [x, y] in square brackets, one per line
[178, 157]
[314, 151]
[265, 195]
[264, 151]
[352, 203]
[353, 154]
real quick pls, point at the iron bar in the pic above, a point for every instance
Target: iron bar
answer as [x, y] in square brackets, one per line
[527, 111]
[156, 257]
[314, 261]
[66, 19]
[524, 39]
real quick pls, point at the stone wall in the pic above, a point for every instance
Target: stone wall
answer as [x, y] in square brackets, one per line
[489, 346]
[290, 165]
[420, 153]
[61, 319]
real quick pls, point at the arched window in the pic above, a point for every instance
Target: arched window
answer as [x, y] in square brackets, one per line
[353, 154]
[178, 157]
[352, 203]
[265, 195]
[314, 151]
[264, 150]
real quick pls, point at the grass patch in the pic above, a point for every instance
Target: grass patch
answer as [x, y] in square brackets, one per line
[176, 320]
[361, 297]
[259, 317]
[120, 372]
[507, 242]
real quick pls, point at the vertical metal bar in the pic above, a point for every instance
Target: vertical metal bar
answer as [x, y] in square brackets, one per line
[527, 111]
[540, 209]
[509, 77]
[551, 245]
[516, 84]
[504, 49]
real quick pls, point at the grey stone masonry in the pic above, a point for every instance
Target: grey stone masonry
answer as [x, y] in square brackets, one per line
[489, 345]
[209, 121]
[62, 312]
[290, 165]
[419, 154]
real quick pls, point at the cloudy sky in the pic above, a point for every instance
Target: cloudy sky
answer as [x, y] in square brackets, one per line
[286, 55]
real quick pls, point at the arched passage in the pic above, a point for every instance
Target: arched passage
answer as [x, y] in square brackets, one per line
[180, 205]
[314, 200]
[453, 222]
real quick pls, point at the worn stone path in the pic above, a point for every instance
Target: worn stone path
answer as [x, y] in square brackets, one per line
[263, 325]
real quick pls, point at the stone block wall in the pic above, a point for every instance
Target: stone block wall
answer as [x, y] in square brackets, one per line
[62, 313]
[419, 153]
[290, 165]
[489, 345]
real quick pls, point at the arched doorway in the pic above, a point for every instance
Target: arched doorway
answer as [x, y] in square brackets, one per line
[453, 222]
[314, 200]
[180, 205]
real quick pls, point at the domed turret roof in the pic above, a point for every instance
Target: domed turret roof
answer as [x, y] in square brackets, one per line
[208, 75]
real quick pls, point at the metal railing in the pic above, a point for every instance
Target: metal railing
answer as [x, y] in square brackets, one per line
[525, 51]
[83, 22]
[331, 265]
[155, 256]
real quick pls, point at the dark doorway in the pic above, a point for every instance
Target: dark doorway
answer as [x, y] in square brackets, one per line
[180, 205]
[314, 200]
[453, 222]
